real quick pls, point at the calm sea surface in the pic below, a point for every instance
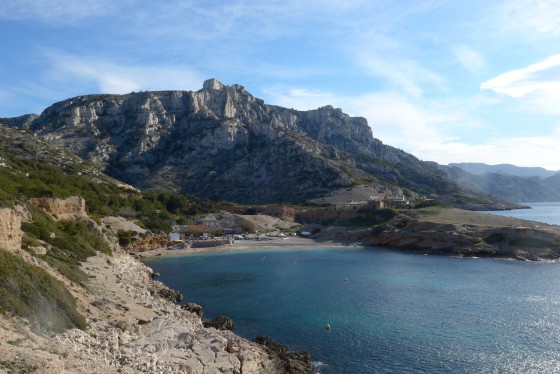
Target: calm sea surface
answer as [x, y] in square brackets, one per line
[541, 212]
[396, 313]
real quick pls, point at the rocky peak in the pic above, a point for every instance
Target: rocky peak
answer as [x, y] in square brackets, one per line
[223, 143]
[212, 84]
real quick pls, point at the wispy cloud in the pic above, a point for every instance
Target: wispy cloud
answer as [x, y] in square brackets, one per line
[298, 98]
[537, 84]
[428, 129]
[530, 17]
[469, 58]
[111, 77]
[537, 150]
[395, 118]
[399, 73]
[58, 11]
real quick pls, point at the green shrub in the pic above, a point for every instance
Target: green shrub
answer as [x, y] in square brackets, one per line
[71, 242]
[9, 366]
[30, 292]
[125, 237]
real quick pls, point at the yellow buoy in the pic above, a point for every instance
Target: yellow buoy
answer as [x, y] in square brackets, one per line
[328, 326]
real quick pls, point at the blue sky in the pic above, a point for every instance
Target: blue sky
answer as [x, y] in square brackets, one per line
[445, 80]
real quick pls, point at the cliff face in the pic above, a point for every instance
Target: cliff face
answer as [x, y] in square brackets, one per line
[223, 143]
[217, 142]
[73, 207]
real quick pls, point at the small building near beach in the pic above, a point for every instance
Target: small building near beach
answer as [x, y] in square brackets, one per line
[228, 232]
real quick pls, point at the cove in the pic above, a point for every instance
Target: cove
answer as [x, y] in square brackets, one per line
[396, 312]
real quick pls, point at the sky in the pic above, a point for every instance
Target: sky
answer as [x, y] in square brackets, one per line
[445, 80]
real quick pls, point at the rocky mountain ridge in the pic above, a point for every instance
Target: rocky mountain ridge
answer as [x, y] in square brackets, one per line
[222, 143]
[519, 171]
[509, 187]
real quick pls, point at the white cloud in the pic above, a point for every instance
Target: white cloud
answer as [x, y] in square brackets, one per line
[399, 121]
[110, 77]
[469, 58]
[537, 84]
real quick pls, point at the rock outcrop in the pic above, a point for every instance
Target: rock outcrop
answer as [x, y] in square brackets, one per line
[293, 362]
[10, 230]
[194, 308]
[464, 234]
[73, 207]
[220, 323]
[221, 142]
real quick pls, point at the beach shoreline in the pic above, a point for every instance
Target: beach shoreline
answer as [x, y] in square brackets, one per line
[242, 245]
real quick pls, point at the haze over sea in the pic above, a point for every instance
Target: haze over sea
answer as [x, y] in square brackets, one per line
[395, 313]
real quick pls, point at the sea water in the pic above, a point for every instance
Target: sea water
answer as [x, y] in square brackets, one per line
[388, 312]
[540, 212]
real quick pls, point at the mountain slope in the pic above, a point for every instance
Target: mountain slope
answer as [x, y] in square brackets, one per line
[221, 142]
[73, 301]
[509, 187]
[480, 168]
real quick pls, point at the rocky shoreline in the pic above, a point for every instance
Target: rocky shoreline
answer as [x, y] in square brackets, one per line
[135, 326]
[455, 232]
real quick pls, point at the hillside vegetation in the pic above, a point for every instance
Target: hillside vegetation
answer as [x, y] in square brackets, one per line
[31, 168]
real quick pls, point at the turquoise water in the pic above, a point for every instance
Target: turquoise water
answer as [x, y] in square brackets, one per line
[540, 212]
[396, 312]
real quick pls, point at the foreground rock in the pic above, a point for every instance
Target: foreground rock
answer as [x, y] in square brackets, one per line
[133, 329]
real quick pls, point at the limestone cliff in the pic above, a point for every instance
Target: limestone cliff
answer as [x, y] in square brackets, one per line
[223, 143]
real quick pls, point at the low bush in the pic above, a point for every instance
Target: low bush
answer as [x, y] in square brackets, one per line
[30, 292]
[70, 242]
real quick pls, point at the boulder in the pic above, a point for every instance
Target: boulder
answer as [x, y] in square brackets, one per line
[193, 308]
[171, 295]
[292, 362]
[220, 323]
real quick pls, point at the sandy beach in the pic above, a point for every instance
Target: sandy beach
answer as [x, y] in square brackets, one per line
[243, 245]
